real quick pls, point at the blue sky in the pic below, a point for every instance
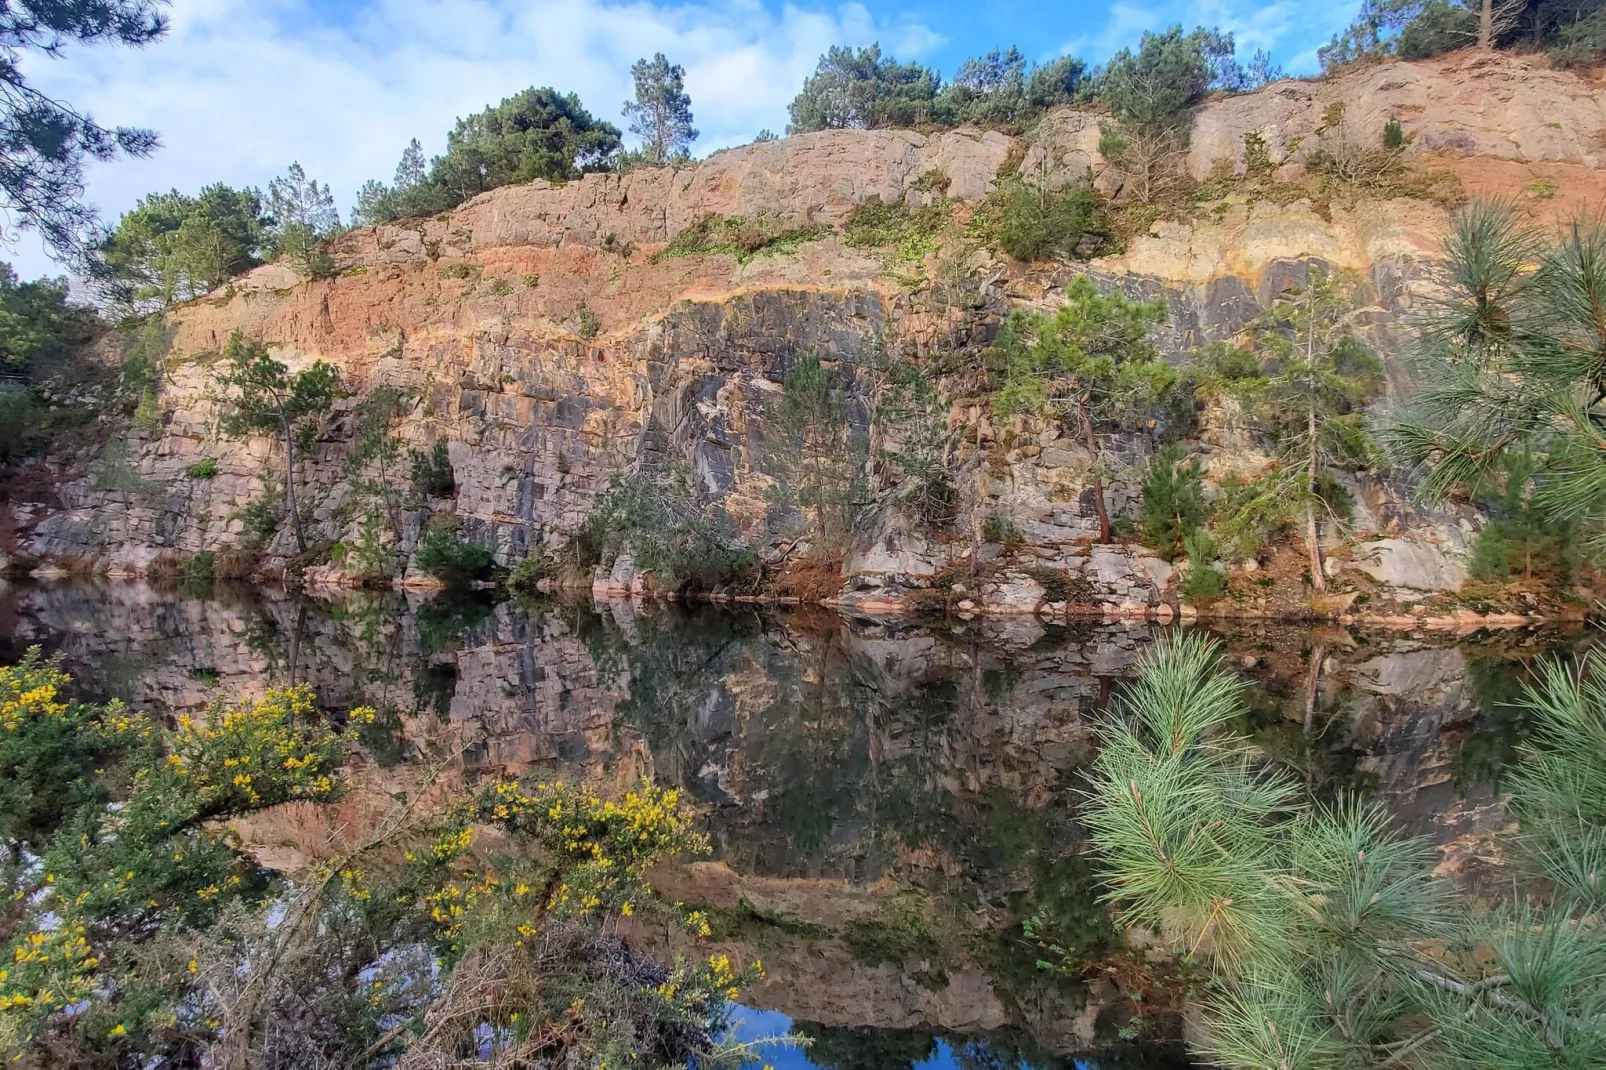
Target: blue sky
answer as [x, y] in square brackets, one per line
[240, 88]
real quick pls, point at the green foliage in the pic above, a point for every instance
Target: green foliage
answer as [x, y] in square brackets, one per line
[1001, 89]
[1508, 364]
[262, 516]
[39, 330]
[48, 746]
[537, 133]
[175, 247]
[1004, 531]
[737, 236]
[1173, 505]
[1090, 364]
[815, 454]
[1204, 581]
[669, 532]
[1030, 221]
[1520, 540]
[451, 560]
[1413, 29]
[302, 220]
[860, 89]
[432, 471]
[20, 420]
[527, 575]
[1251, 514]
[1310, 407]
[874, 225]
[912, 417]
[1093, 355]
[1156, 87]
[205, 468]
[259, 395]
[865, 90]
[139, 930]
[374, 466]
[1314, 919]
[45, 142]
[586, 323]
[410, 195]
[661, 113]
[1150, 94]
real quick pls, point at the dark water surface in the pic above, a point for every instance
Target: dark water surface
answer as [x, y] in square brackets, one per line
[888, 803]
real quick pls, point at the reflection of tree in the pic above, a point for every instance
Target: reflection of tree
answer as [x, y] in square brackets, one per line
[1496, 675]
[451, 615]
[676, 660]
[815, 739]
[864, 1047]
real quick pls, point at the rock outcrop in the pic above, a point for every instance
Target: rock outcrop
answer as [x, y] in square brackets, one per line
[536, 332]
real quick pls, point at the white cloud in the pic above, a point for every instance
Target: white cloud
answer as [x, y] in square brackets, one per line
[240, 88]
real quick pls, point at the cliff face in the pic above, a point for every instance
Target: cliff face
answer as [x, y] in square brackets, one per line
[484, 315]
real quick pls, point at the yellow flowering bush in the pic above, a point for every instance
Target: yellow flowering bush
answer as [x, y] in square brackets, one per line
[254, 754]
[137, 917]
[49, 747]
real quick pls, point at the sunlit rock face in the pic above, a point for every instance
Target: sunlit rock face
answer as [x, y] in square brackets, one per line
[537, 331]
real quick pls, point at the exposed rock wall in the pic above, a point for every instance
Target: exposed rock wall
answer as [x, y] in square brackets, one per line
[479, 314]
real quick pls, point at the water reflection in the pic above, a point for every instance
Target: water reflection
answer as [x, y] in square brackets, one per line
[892, 808]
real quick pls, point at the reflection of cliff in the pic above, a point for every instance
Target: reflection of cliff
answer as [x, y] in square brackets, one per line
[887, 803]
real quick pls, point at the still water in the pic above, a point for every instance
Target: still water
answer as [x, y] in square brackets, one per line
[892, 807]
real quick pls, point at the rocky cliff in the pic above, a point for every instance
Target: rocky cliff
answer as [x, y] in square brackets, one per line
[544, 335]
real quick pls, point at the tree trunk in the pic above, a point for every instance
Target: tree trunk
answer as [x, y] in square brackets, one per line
[1313, 682]
[1098, 483]
[1486, 25]
[1312, 531]
[290, 490]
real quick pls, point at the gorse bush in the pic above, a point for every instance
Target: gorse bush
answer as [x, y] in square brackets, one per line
[1319, 922]
[139, 935]
[1030, 221]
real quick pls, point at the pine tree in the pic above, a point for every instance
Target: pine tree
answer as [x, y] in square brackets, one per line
[1091, 364]
[661, 113]
[1330, 942]
[260, 395]
[1513, 359]
[303, 220]
[44, 142]
[1311, 405]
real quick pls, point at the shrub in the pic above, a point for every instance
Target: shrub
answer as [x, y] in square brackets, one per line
[738, 236]
[668, 532]
[1029, 221]
[432, 471]
[1059, 587]
[586, 323]
[451, 560]
[262, 516]
[202, 469]
[527, 575]
[198, 570]
[531, 280]
[874, 225]
[1004, 531]
[1204, 582]
[1173, 502]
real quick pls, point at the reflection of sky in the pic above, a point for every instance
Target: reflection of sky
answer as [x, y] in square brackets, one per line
[751, 1025]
